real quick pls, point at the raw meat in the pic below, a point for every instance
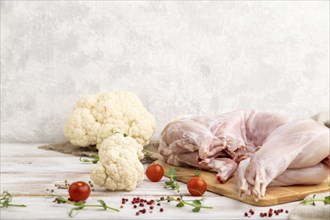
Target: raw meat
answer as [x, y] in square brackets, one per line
[219, 142]
[264, 148]
[290, 155]
[305, 176]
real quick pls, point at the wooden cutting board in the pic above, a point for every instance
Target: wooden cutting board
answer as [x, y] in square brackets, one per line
[274, 195]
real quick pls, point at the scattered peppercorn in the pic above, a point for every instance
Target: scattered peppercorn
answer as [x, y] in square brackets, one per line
[140, 202]
[270, 212]
[64, 185]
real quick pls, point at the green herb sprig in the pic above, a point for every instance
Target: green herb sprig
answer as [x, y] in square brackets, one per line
[82, 204]
[196, 203]
[326, 200]
[93, 159]
[172, 183]
[5, 200]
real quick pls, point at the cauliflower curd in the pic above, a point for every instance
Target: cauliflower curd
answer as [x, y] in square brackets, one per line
[96, 117]
[119, 167]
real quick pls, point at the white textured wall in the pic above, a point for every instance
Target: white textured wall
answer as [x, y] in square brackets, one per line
[179, 57]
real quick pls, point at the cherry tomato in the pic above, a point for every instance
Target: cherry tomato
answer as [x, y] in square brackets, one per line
[79, 191]
[155, 172]
[196, 186]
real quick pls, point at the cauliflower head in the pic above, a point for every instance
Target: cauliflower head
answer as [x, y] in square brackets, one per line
[96, 117]
[119, 167]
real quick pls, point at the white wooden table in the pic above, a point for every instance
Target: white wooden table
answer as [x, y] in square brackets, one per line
[27, 172]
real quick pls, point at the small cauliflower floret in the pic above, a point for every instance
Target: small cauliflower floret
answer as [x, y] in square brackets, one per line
[119, 167]
[96, 117]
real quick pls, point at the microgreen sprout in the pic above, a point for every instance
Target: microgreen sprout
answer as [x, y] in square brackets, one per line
[5, 200]
[196, 203]
[326, 200]
[93, 159]
[172, 183]
[82, 204]
[172, 174]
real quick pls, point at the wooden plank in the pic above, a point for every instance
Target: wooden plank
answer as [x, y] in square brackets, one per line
[44, 164]
[25, 150]
[223, 208]
[27, 172]
[35, 184]
[274, 195]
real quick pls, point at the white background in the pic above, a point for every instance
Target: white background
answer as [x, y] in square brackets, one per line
[178, 57]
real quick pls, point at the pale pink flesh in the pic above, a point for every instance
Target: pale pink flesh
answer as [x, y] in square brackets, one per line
[268, 148]
[296, 145]
[214, 138]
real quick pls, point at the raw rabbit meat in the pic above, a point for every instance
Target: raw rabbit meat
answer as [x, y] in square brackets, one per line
[266, 149]
[290, 155]
[219, 142]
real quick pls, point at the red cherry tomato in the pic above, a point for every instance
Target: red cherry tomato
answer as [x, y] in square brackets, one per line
[79, 191]
[196, 186]
[155, 172]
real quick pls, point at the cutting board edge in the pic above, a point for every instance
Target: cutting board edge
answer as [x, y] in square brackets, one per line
[269, 200]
